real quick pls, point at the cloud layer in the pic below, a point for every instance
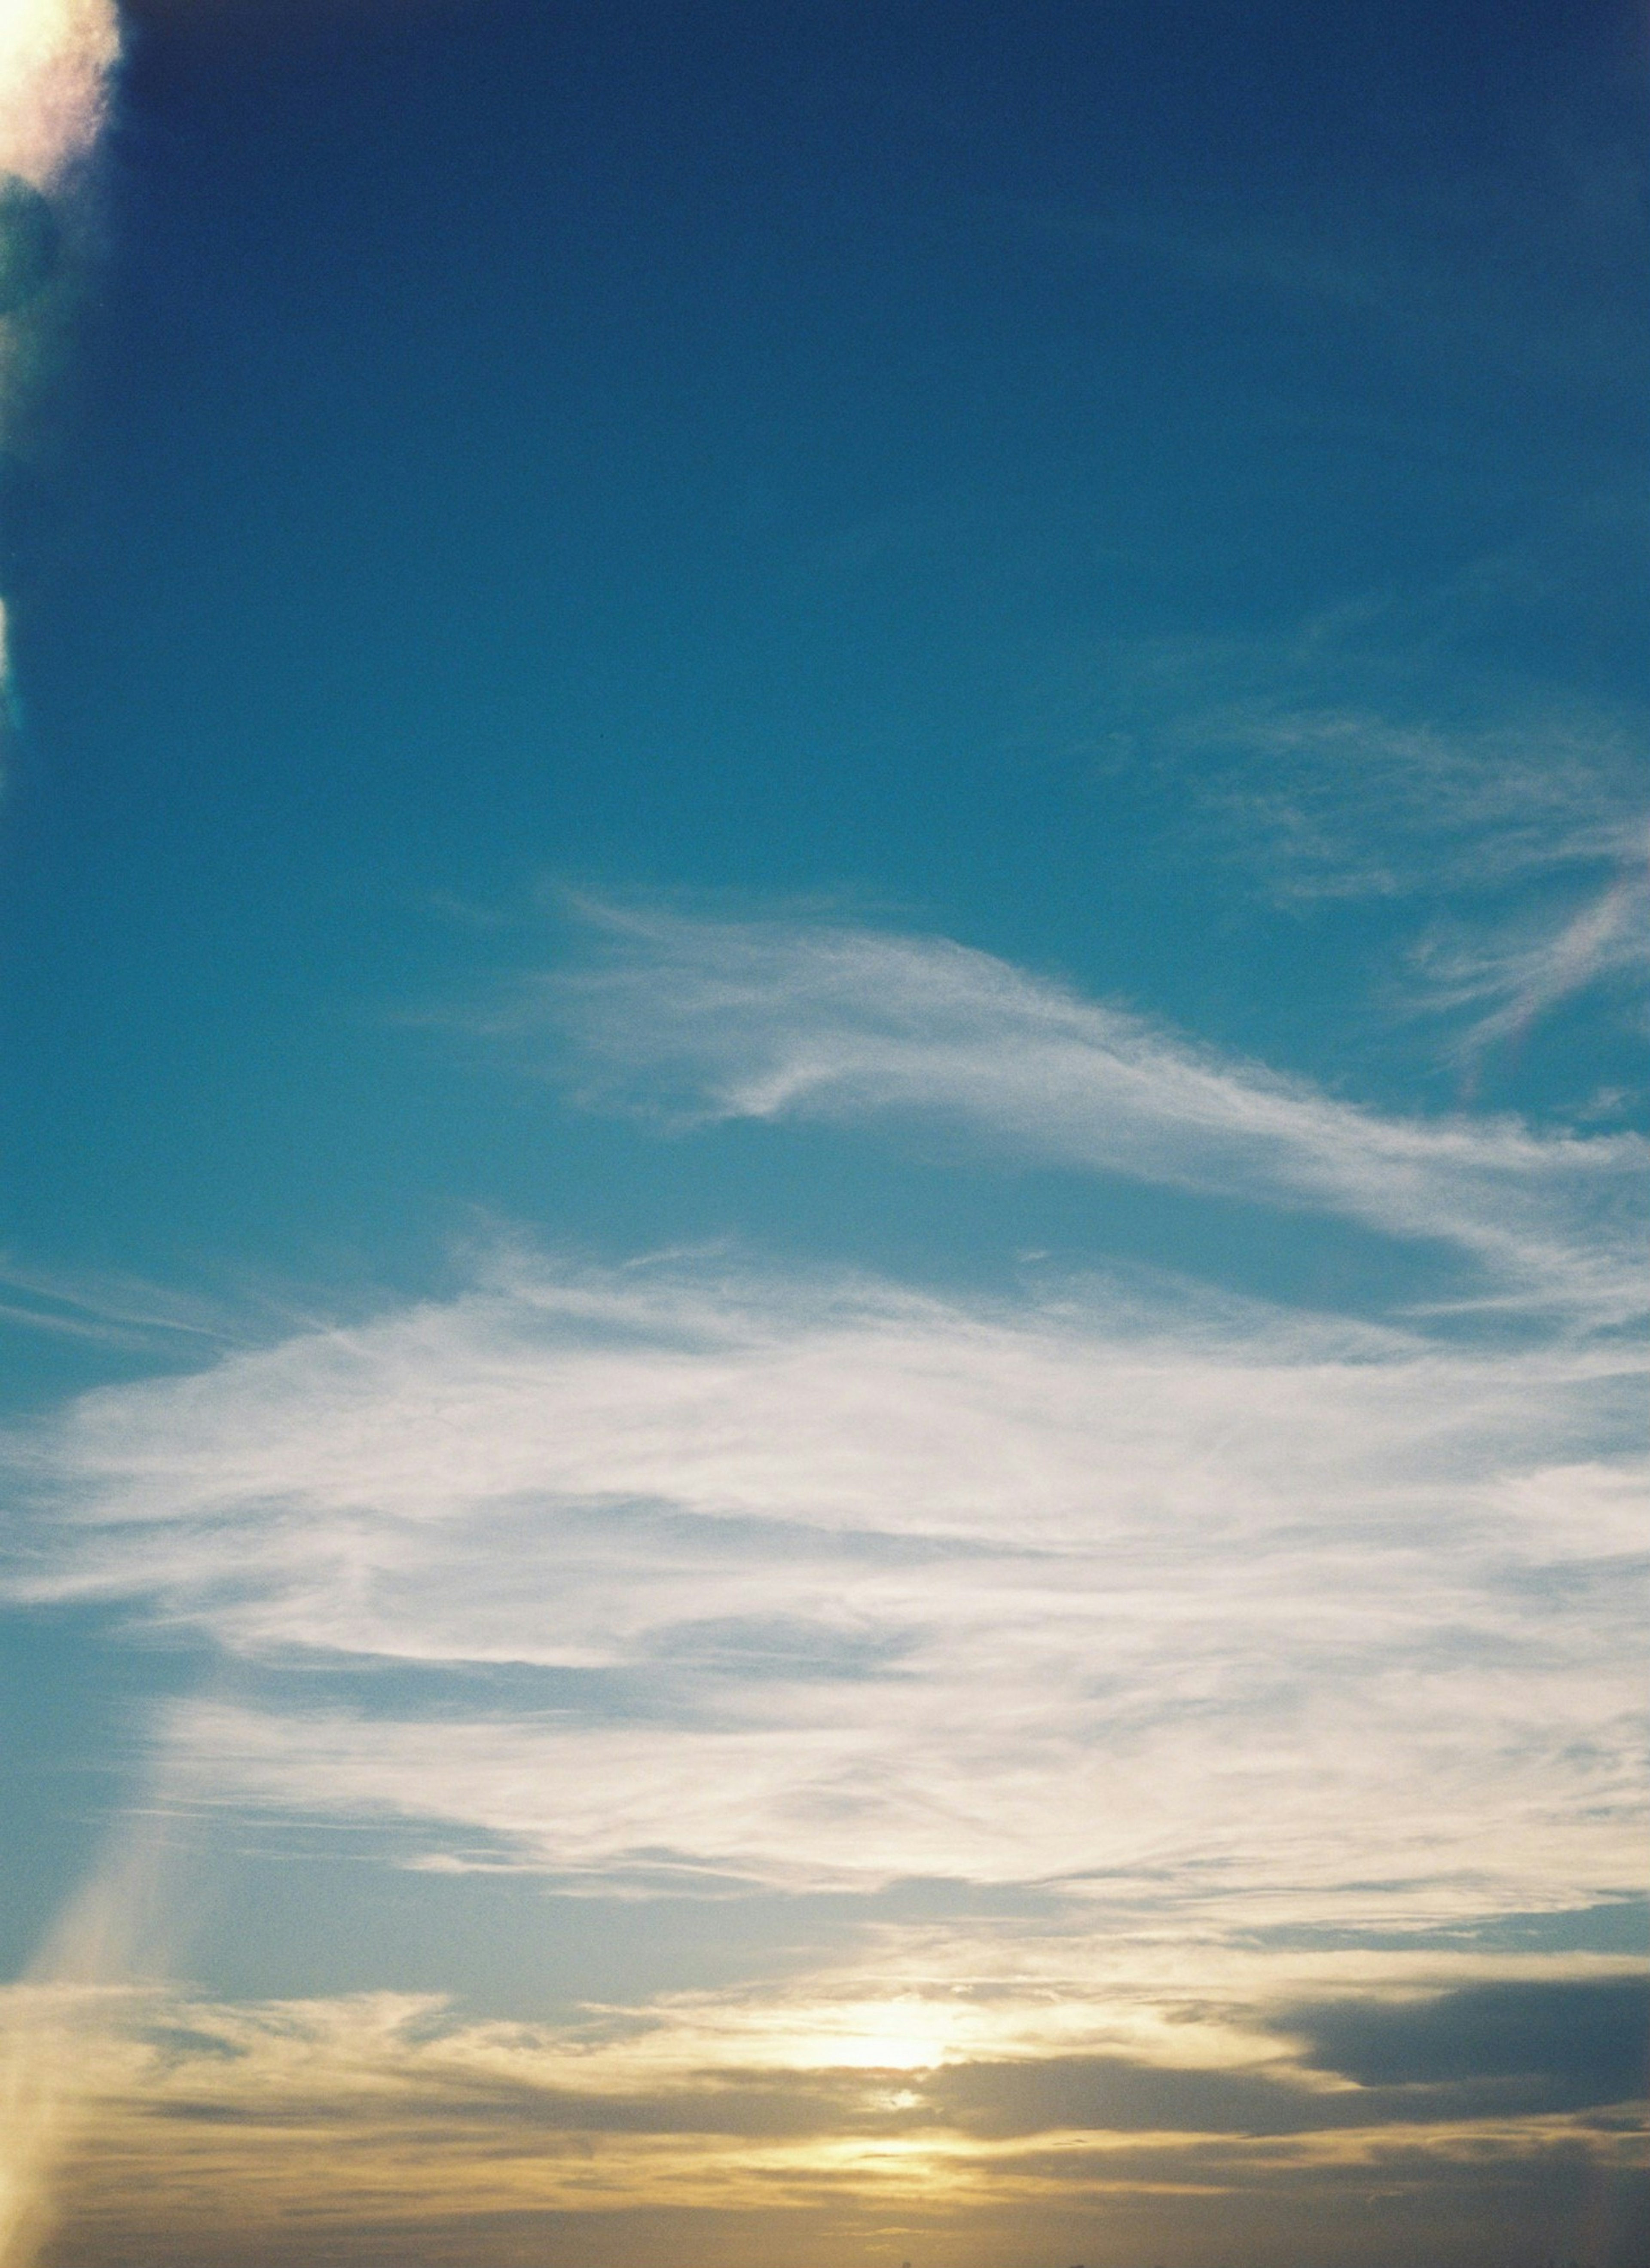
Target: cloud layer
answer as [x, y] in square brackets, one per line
[1229, 1658]
[381, 2127]
[845, 1585]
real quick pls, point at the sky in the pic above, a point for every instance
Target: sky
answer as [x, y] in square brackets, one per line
[822, 1227]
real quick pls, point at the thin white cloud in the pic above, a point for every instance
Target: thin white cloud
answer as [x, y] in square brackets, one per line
[1365, 755]
[1333, 766]
[1347, 803]
[110, 1310]
[1360, 755]
[844, 1586]
[774, 1020]
[1343, 800]
[1501, 984]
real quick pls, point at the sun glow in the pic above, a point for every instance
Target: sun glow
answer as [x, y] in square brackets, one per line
[55, 59]
[907, 2033]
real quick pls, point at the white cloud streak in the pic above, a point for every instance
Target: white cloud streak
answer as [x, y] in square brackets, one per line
[864, 1586]
[1345, 801]
[1160, 1603]
[774, 1019]
[1505, 983]
[1363, 757]
[1342, 802]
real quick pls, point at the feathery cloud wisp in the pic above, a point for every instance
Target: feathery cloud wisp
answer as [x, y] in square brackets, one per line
[834, 1585]
[685, 1579]
[1182, 1633]
[1504, 983]
[769, 1020]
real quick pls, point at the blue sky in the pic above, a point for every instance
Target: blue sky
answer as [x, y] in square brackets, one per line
[825, 844]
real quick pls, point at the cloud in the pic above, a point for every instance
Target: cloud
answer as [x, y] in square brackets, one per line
[1180, 1621]
[1167, 1623]
[844, 1586]
[1364, 753]
[1590, 2038]
[1504, 984]
[1535, 828]
[1490, 2052]
[1364, 756]
[1344, 800]
[1533, 274]
[392, 2112]
[109, 1310]
[56, 61]
[775, 1019]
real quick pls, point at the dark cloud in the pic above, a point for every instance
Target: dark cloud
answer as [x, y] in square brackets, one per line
[1490, 2051]
[1106, 2095]
[1590, 2041]
[453, 2115]
[1109, 2095]
[1484, 2051]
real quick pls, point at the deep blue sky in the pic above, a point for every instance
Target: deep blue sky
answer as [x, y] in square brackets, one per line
[729, 449]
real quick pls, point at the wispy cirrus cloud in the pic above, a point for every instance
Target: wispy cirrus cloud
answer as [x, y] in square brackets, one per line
[1348, 801]
[107, 1310]
[840, 1585]
[1182, 1626]
[1359, 759]
[1546, 822]
[772, 1020]
[1501, 984]
[1535, 273]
